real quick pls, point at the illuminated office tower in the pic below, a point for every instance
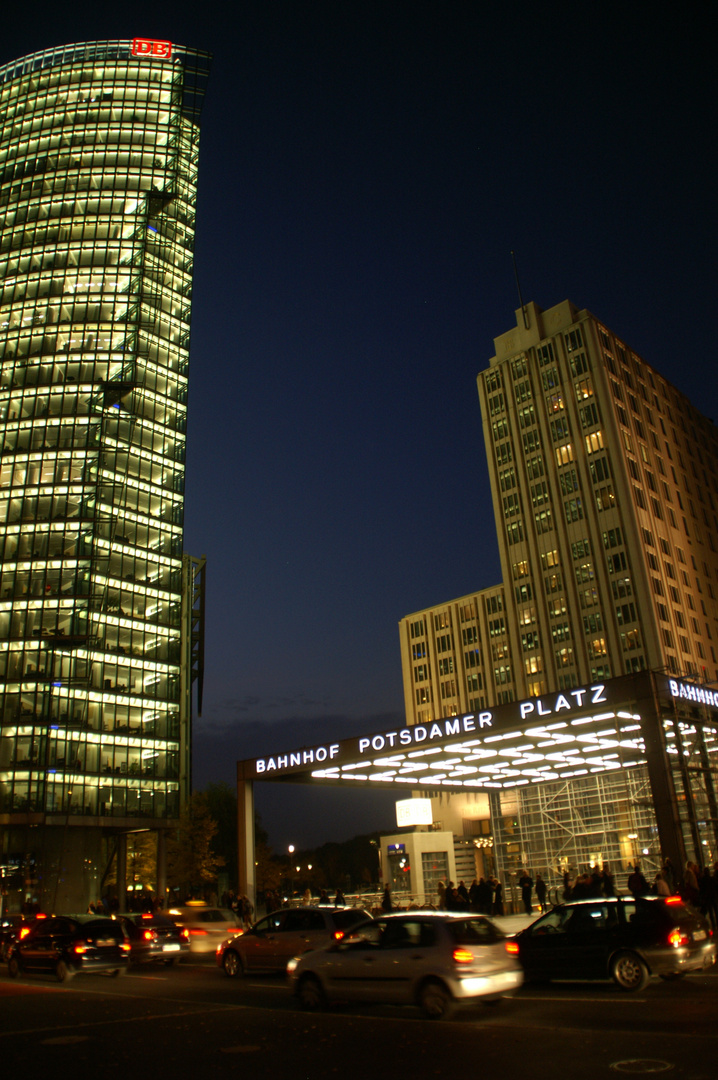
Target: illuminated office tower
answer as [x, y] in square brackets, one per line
[604, 480]
[98, 175]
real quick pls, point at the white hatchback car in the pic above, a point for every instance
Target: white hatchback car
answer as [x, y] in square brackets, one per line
[208, 926]
[432, 959]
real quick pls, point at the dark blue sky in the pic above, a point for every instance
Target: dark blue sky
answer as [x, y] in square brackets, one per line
[366, 168]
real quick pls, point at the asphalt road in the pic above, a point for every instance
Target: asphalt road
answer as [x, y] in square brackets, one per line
[192, 1021]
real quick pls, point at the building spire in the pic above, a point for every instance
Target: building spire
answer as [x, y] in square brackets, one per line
[518, 288]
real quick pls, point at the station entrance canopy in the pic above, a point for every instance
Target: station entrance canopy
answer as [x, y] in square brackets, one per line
[644, 720]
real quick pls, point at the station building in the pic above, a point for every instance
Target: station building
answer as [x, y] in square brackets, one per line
[99, 607]
[604, 481]
[566, 716]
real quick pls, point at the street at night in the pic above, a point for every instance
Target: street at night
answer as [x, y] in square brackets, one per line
[191, 1020]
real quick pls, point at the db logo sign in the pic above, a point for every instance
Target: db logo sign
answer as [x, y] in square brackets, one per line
[159, 50]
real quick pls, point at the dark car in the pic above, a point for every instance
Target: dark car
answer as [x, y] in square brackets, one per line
[620, 938]
[14, 927]
[270, 943]
[68, 944]
[155, 937]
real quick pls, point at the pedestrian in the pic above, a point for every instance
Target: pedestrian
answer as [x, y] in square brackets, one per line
[386, 904]
[541, 893]
[608, 885]
[526, 885]
[441, 893]
[497, 907]
[637, 884]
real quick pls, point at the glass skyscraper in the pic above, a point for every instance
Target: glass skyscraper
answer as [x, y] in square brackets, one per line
[98, 183]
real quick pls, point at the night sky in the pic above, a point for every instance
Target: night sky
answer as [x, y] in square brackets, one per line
[366, 169]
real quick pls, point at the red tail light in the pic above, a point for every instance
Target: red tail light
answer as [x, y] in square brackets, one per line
[125, 946]
[338, 935]
[184, 932]
[24, 931]
[149, 935]
[196, 931]
[674, 900]
[512, 948]
[677, 938]
[462, 956]
[79, 949]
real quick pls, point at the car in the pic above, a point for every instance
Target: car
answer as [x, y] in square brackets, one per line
[155, 938]
[436, 960]
[70, 944]
[14, 927]
[207, 926]
[268, 944]
[620, 938]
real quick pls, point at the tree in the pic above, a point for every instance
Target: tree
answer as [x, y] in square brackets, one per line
[192, 865]
[221, 801]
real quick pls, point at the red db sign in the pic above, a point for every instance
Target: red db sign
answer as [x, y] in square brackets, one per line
[159, 50]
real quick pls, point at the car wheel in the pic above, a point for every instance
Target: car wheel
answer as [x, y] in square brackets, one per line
[233, 964]
[435, 1000]
[13, 967]
[673, 976]
[62, 972]
[629, 972]
[310, 994]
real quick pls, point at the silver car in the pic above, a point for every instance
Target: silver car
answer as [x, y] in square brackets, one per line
[432, 959]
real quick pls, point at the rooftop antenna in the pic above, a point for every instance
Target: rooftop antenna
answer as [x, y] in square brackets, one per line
[518, 288]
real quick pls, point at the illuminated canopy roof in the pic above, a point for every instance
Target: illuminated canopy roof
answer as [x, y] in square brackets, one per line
[561, 736]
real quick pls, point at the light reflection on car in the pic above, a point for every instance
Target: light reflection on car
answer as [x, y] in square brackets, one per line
[436, 960]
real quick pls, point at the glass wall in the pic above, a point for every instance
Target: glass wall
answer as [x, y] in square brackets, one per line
[98, 171]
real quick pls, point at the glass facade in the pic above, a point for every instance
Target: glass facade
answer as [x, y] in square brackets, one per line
[98, 174]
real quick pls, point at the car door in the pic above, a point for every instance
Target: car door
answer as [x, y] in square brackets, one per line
[591, 934]
[301, 930]
[258, 945]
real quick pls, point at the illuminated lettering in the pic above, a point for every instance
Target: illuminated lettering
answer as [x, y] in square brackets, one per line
[435, 731]
[307, 757]
[378, 742]
[597, 693]
[525, 708]
[322, 753]
[391, 737]
[468, 723]
[363, 744]
[271, 764]
[541, 710]
[561, 703]
[282, 762]
[333, 750]
[420, 734]
[295, 759]
[579, 695]
[260, 765]
[485, 719]
[453, 727]
[405, 737]
[158, 50]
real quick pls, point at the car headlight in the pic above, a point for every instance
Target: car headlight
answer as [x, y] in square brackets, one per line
[292, 965]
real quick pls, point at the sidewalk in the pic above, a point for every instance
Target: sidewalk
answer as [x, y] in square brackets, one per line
[511, 924]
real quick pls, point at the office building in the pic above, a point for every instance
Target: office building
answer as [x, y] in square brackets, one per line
[98, 182]
[604, 481]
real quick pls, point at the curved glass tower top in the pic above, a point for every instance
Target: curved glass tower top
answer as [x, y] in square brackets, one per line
[98, 173]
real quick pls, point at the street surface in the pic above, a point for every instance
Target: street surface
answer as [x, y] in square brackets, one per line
[192, 1021]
